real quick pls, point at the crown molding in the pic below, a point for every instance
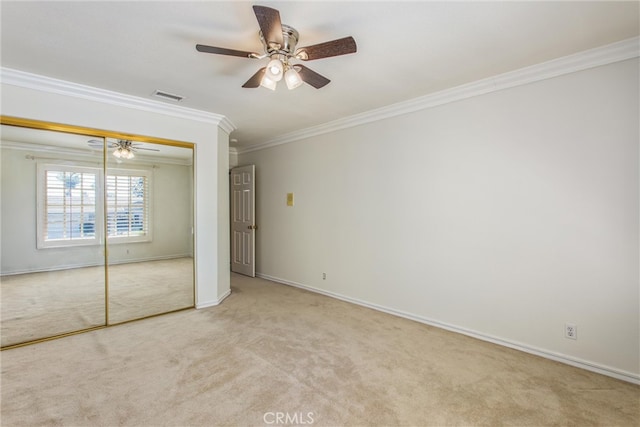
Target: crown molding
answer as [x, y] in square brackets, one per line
[23, 79]
[52, 150]
[615, 52]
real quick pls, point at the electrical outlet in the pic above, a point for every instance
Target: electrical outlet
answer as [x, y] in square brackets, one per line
[570, 331]
[324, 276]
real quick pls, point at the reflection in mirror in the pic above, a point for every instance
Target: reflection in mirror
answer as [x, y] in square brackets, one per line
[52, 260]
[149, 222]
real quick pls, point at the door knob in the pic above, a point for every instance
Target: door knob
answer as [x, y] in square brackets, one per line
[252, 227]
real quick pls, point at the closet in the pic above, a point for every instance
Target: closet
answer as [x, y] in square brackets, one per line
[96, 229]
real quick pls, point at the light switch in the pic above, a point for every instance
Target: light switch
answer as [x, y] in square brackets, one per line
[289, 199]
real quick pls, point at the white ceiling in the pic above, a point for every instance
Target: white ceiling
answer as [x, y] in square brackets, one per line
[405, 50]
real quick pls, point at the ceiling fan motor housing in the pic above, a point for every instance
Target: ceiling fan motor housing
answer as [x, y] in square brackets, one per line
[290, 38]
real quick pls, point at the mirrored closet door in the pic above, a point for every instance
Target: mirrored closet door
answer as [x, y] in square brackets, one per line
[52, 258]
[149, 204]
[96, 230]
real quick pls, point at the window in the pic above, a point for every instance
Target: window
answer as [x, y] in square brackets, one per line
[71, 201]
[68, 197]
[128, 205]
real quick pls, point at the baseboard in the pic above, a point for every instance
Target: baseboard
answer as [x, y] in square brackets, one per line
[562, 358]
[97, 264]
[213, 303]
[147, 259]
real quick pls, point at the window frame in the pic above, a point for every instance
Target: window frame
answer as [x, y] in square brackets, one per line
[42, 209]
[146, 237]
[101, 206]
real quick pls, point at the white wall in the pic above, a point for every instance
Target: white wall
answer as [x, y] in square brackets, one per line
[504, 216]
[83, 109]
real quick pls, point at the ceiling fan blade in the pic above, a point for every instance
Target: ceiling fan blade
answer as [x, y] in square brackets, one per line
[337, 47]
[225, 51]
[255, 80]
[98, 143]
[148, 149]
[270, 25]
[311, 77]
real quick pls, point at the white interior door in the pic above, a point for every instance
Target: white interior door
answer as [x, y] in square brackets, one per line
[243, 226]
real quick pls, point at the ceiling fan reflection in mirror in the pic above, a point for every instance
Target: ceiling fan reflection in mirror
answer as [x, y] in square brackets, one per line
[123, 148]
[279, 42]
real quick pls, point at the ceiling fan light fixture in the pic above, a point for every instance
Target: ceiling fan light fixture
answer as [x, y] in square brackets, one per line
[268, 83]
[275, 70]
[123, 153]
[292, 78]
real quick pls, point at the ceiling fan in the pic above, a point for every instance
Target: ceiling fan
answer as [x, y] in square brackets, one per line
[279, 42]
[124, 148]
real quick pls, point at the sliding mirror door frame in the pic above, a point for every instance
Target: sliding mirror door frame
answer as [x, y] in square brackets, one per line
[103, 135]
[149, 189]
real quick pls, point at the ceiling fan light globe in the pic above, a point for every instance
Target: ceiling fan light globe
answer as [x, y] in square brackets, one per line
[275, 70]
[292, 78]
[118, 153]
[268, 83]
[129, 155]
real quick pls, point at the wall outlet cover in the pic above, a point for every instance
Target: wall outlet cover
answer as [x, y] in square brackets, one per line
[570, 331]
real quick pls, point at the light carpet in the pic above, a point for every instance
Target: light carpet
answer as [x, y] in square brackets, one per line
[39, 305]
[275, 355]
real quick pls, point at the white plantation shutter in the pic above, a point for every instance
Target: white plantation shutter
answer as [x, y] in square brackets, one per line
[128, 206]
[68, 201]
[70, 206]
